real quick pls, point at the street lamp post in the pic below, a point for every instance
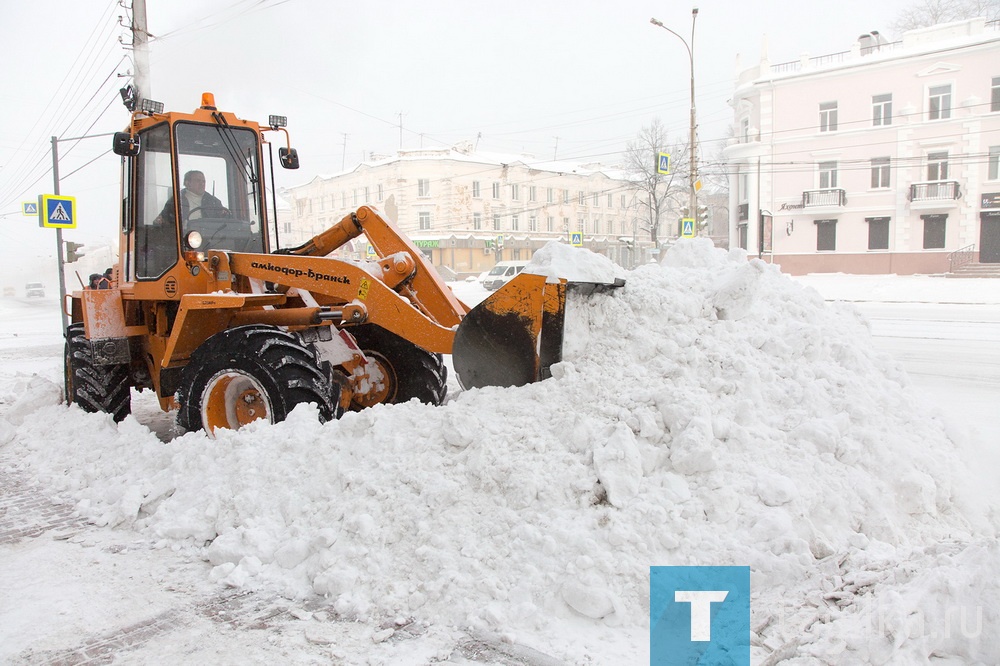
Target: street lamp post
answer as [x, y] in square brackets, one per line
[693, 169]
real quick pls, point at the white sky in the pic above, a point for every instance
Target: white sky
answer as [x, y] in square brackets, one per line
[578, 79]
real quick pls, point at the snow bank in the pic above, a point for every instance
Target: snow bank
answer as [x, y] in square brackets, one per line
[711, 412]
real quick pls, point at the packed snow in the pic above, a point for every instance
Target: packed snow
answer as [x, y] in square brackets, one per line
[712, 411]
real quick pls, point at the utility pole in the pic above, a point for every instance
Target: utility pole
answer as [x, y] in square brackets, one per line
[140, 49]
[693, 170]
[59, 240]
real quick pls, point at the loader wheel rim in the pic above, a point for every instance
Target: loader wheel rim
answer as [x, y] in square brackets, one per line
[380, 391]
[233, 399]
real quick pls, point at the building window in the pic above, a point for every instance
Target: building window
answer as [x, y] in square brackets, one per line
[496, 223]
[934, 227]
[623, 202]
[550, 224]
[745, 130]
[611, 201]
[826, 235]
[743, 188]
[566, 196]
[287, 226]
[532, 223]
[549, 195]
[597, 199]
[380, 192]
[475, 189]
[994, 173]
[939, 103]
[425, 221]
[532, 193]
[611, 227]
[565, 224]
[880, 172]
[827, 175]
[354, 193]
[513, 223]
[828, 117]
[581, 199]
[878, 233]
[343, 199]
[937, 166]
[477, 221]
[496, 190]
[881, 110]
[423, 187]
[581, 224]
[367, 194]
[995, 94]
[515, 192]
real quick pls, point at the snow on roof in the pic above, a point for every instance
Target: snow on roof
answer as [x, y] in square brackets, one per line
[463, 153]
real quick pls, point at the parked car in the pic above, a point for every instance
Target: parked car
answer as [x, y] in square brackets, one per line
[34, 289]
[502, 273]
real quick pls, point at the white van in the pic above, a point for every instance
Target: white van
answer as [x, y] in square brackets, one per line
[502, 273]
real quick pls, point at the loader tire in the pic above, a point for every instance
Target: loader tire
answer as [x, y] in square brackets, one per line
[95, 388]
[250, 373]
[410, 371]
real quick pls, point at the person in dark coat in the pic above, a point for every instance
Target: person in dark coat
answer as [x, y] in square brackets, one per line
[195, 201]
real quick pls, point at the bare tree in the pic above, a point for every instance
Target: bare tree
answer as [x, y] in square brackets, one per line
[657, 193]
[924, 13]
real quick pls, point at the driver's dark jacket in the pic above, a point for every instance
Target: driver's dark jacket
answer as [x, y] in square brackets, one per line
[208, 204]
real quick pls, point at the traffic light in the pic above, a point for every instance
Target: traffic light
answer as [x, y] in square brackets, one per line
[702, 216]
[73, 251]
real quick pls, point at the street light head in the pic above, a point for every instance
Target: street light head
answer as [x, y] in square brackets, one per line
[656, 22]
[694, 12]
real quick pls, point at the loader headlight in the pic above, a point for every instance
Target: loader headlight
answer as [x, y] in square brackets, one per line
[194, 240]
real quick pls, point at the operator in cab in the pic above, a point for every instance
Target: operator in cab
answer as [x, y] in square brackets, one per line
[195, 201]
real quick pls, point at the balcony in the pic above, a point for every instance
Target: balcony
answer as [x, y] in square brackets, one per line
[935, 191]
[826, 197]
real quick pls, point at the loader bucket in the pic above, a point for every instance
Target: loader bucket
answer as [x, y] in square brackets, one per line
[514, 336]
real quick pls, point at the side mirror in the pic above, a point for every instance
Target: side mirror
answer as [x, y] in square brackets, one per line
[125, 144]
[289, 158]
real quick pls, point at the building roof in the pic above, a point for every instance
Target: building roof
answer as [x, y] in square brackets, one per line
[872, 48]
[464, 152]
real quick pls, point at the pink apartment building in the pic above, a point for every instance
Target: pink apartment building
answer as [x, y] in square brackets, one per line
[881, 159]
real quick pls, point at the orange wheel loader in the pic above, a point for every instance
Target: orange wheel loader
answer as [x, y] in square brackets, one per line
[226, 330]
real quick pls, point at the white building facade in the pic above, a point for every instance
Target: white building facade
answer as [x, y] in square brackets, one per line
[467, 210]
[879, 160]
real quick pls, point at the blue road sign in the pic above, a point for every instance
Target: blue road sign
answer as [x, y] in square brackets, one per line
[687, 227]
[576, 239]
[663, 163]
[56, 212]
[29, 208]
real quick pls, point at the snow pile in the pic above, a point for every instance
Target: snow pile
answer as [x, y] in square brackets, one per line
[711, 412]
[575, 264]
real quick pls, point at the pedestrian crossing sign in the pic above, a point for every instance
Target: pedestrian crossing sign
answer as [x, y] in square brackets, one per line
[576, 239]
[56, 212]
[29, 208]
[663, 163]
[687, 227]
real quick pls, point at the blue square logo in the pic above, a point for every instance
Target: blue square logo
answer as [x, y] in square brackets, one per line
[699, 615]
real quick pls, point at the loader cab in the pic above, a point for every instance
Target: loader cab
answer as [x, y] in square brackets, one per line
[195, 186]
